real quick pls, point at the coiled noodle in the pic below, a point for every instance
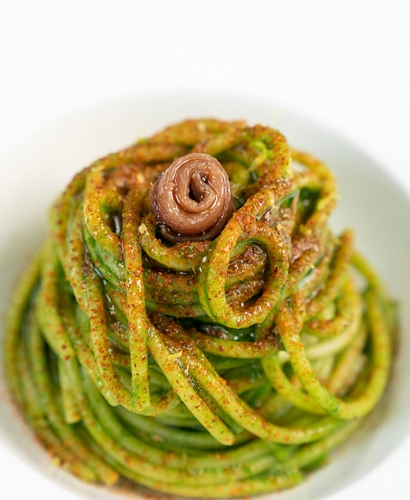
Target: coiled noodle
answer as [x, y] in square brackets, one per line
[223, 367]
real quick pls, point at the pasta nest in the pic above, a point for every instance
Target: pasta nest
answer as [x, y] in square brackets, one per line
[222, 367]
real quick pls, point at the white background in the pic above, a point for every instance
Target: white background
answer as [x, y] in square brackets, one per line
[346, 64]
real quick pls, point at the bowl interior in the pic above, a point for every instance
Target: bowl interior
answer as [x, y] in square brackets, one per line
[371, 203]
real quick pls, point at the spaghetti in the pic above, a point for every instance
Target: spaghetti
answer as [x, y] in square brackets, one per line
[201, 363]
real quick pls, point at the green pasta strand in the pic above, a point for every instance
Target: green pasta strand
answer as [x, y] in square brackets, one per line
[212, 368]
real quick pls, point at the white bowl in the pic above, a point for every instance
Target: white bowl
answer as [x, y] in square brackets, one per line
[371, 203]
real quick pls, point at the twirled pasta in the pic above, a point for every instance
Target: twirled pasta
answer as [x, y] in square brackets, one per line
[220, 367]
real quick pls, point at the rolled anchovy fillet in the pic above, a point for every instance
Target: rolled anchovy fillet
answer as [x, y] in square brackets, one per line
[192, 199]
[192, 323]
